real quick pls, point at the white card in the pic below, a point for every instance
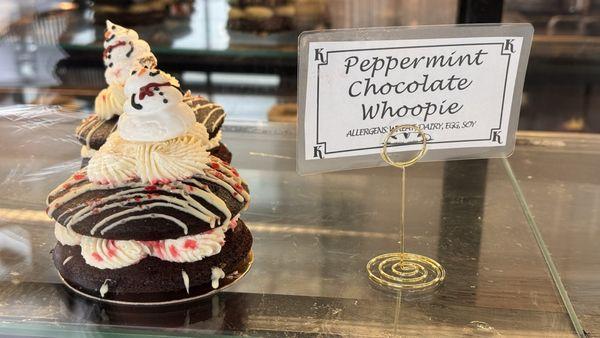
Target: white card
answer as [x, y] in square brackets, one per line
[460, 84]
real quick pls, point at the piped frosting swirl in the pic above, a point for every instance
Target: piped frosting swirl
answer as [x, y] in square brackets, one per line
[114, 254]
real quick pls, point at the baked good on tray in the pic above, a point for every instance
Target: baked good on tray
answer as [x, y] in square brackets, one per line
[123, 52]
[154, 216]
[261, 16]
[130, 12]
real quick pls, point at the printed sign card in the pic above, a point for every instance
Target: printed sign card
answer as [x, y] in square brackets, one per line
[460, 84]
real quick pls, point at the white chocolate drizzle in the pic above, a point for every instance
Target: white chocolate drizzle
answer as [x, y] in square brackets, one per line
[67, 260]
[186, 281]
[216, 274]
[190, 196]
[104, 288]
[89, 126]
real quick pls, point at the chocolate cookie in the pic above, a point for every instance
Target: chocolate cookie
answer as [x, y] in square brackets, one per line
[93, 131]
[210, 114]
[152, 279]
[222, 152]
[145, 212]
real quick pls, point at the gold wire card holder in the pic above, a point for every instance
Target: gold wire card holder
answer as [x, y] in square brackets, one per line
[399, 271]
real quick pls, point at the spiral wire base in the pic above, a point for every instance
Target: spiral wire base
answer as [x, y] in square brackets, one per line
[405, 271]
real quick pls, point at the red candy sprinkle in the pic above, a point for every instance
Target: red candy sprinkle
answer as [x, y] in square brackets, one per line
[137, 199]
[215, 165]
[190, 244]
[111, 248]
[79, 176]
[151, 188]
[173, 251]
[97, 257]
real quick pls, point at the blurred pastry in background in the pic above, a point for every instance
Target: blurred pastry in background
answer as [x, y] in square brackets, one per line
[283, 112]
[262, 16]
[130, 12]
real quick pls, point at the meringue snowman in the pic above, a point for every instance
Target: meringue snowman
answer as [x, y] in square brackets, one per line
[123, 52]
[157, 139]
[155, 109]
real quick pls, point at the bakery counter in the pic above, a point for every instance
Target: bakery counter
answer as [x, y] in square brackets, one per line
[313, 236]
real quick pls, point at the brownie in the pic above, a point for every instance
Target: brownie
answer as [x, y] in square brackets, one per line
[152, 279]
[160, 226]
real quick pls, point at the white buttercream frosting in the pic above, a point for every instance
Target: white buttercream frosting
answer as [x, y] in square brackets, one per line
[190, 248]
[215, 141]
[111, 254]
[114, 254]
[87, 152]
[114, 163]
[119, 161]
[66, 236]
[109, 101]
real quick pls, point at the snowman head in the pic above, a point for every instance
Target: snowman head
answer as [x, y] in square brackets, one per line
[123, 51]
[154, 110]
[151, 90]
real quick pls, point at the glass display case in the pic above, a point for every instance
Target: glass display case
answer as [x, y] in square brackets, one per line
[516, 236]
[486, 221]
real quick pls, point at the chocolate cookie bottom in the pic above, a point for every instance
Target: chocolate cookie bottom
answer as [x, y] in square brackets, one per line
[152, 279]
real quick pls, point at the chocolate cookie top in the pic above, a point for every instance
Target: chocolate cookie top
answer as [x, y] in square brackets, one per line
[93, 131]
[142, 211]
[210, 114]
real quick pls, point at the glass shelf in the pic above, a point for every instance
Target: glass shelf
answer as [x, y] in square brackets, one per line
[313, 237]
